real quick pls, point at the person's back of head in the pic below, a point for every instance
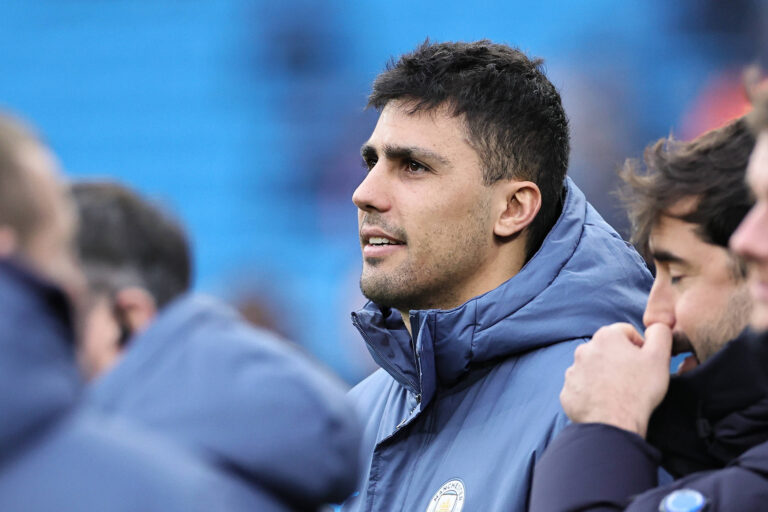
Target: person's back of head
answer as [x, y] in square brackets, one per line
[136, 259]
[513, 114]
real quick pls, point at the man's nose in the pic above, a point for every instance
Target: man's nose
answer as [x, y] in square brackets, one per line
[373, 193]
[661, 306]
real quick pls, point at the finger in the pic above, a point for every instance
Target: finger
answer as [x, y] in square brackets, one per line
[632, 334]
[658, 340]
[620, 330]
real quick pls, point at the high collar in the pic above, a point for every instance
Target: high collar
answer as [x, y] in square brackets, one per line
[717, 411]
[543, 304]
[38, 374]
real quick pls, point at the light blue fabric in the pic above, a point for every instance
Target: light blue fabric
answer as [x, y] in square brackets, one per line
[246, 401]
[476, 397]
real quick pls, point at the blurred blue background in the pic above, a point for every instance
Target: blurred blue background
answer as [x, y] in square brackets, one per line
[245, 117]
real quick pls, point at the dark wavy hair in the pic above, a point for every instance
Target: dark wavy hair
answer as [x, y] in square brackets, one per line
[513, 114]
[709, 169]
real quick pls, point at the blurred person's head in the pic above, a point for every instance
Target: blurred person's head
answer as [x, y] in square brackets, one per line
[136, 260]
[37, 218]
[683, 210]
[750, 241]
[465, 173]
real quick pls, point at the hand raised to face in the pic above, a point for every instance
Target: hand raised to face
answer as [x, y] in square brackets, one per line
[618, 378]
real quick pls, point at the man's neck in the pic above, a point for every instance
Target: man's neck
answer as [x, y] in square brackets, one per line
[407, 320]
[496, 275]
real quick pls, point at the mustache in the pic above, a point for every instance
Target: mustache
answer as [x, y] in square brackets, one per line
[682, 343]
[376, 221]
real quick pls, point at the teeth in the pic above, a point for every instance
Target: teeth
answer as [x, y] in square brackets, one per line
[376, 240]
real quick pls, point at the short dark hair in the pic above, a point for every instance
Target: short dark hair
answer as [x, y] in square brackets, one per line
[513, 114]
[126, 241]
[709, 169]
[19, 208]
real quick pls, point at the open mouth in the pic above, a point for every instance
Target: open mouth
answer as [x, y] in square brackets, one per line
[379, 241]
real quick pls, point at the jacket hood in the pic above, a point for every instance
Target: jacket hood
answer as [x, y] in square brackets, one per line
[247, 401]
[584, 276]
[715, 412]
[39, 380]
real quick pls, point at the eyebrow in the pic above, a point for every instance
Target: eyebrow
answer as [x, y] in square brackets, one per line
[667, 257]
[404, 153]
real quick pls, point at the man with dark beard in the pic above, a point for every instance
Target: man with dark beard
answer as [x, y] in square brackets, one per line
[711, 429]
[485, 268]
[683, 211]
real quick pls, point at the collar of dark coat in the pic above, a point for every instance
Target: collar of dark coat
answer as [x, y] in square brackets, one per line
[716, 412]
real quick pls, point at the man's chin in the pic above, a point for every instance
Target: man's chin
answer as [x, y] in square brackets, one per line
[378, 288]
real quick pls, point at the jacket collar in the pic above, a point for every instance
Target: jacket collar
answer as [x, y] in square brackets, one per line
[717, 411]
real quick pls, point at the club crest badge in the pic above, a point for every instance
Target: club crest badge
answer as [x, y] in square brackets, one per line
[450, 497]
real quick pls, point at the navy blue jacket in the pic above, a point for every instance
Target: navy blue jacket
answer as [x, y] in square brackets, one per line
[459, 417]
[242, 399]
[54, 456]
[711, 430]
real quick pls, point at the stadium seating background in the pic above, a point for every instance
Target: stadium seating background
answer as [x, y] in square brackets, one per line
[245, 117]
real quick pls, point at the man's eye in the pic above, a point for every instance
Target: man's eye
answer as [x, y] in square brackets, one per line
[414, 166]
[369, 163]
[675, 279]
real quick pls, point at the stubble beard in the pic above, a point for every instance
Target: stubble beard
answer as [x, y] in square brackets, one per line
[400, 289]
[710, 338]
[436, 280]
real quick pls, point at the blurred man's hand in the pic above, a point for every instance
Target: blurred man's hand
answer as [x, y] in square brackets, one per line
[618, 378]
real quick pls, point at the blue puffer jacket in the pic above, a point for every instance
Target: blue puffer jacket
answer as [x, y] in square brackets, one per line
[57, 456]
[457, 419]
[242, 399]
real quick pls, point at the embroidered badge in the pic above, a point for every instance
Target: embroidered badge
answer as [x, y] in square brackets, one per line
[684, 500]
[450, 497]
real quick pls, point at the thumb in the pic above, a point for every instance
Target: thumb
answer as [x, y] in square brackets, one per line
[658, 340]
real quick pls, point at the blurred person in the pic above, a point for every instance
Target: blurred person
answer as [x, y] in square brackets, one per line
[194, 372]
[136, 259]
[714, 417]
[485, 267]
[750, 240]
[54, 455]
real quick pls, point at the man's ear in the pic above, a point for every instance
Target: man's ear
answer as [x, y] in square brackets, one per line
[136, 306]
[8, 241]
[522, 204]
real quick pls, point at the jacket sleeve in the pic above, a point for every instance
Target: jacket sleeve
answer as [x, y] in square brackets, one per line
[593, 467]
